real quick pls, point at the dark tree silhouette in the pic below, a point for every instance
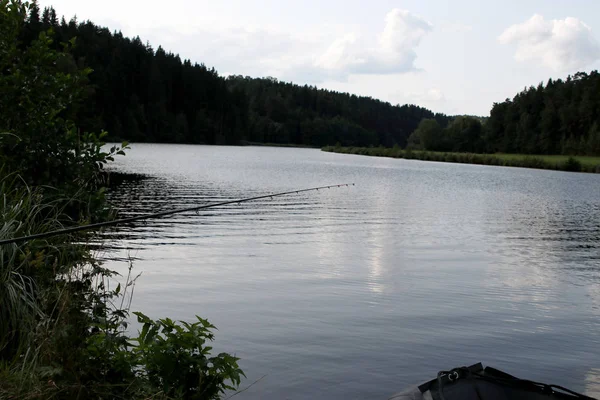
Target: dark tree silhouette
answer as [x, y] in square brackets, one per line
[561, 117]
[141, 94]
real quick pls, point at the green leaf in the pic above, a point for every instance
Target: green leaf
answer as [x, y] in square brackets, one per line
[151, 334]
[142, 319]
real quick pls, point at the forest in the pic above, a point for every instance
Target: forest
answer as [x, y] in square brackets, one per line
[146, 95]
[561, 117]
[141, 94]
[282, 112]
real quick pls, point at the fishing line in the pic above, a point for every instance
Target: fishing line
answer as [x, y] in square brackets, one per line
[160, 215]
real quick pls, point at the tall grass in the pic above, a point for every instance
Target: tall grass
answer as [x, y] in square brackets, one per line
[49, 290]
[561, 163]
[63, 327]
[32, 301]
[19, 306]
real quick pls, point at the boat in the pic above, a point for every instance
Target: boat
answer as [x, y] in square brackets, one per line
[479, 383]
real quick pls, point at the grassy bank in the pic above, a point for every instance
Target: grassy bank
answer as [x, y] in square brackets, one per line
[554, 162]
[300, 146]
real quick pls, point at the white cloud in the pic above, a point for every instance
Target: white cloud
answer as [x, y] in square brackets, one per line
[244, 50]
[562, 45]
[432, 97]
[393, 52]
[403, 31]
[436, 95]
[340, 54]
[310, 55]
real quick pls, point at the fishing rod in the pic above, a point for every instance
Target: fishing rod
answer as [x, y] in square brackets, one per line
[160, 215]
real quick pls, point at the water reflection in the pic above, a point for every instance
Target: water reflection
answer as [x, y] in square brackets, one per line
[376, 269]
[357, 293]
[592, 383]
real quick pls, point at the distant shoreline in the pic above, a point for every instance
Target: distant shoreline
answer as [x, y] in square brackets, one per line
[300, 146]
[551, 162]
[241, 144]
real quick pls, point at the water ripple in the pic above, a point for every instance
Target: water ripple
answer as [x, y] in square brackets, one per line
[358, 292]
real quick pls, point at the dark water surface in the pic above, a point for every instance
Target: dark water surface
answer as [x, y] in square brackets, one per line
[355, 293]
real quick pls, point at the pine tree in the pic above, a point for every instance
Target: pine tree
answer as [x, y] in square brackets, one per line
[34, 13]
[46, 17]
[549, 126]
[593, 140]
[53, 17]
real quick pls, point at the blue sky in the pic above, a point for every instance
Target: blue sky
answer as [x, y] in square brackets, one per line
[455, 57]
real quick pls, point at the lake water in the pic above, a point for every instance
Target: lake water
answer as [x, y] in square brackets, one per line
[355, 293]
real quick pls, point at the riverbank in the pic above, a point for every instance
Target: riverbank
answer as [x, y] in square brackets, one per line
[299, 146]
[553, 162]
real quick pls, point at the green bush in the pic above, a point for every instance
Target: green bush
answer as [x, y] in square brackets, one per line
[175, 359]
[572, 165]
[62, 334]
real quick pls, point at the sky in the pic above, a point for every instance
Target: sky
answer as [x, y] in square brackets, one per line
[454, 57]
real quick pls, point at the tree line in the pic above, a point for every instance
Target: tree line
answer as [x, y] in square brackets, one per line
[141, 94]
[281, 112]
[561, 117]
